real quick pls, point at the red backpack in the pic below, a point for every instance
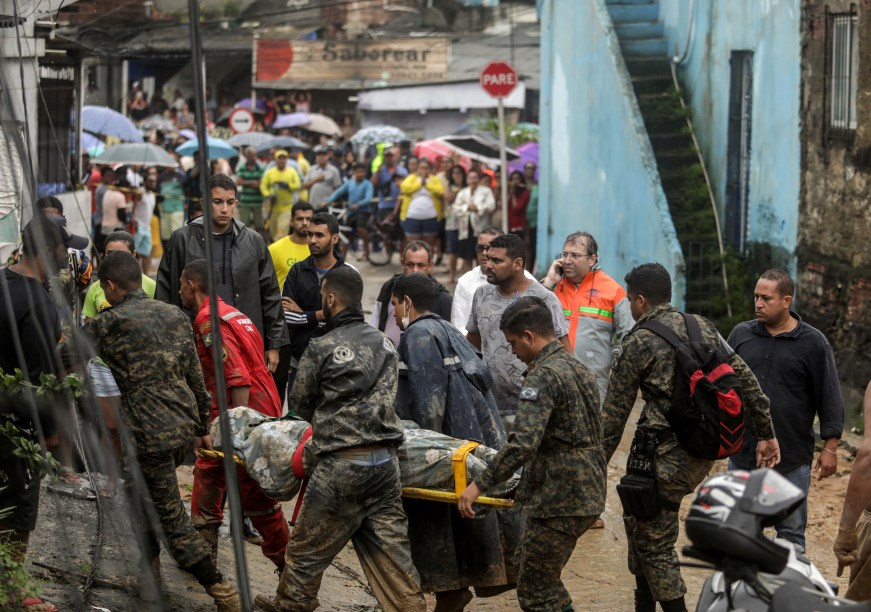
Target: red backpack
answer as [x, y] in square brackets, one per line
[707, 411]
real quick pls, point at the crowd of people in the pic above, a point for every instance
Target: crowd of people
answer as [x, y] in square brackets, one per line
[544, 371]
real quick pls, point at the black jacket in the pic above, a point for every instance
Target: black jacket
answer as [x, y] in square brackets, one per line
[303, 286]
[255, 285]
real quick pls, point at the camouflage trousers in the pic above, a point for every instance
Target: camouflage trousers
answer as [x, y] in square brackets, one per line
[160, 494]
[545, 548]
[651, 543]
[345, 501]
[860, 572]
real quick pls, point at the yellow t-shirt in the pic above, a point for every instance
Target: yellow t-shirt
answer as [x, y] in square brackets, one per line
[285, 253]
[95, 299]
[282, 184]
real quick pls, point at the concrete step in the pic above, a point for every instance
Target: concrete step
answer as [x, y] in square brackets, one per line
[631, 1]
[632, 31]
[645, 47]
[672, 140]
[633, 13]
[646, 67]
[675, 158]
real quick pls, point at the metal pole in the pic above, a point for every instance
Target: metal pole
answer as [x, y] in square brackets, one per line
[254, 71]
[503, 163]
[80, 93]
[125, 85]
[215, 321]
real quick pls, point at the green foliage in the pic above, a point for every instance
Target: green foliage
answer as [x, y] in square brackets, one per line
[516, 134]
[16, 585]
[42, 463]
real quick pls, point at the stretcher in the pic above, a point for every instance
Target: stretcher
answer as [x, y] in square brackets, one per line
[458, 466]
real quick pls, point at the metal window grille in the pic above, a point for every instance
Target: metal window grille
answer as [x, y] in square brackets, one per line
[841, 73]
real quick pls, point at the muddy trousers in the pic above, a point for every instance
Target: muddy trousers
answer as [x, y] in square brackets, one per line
[651, 543]
[545, 548]
[153, 494]
[345, 501]
[860, 572]
[207, 502]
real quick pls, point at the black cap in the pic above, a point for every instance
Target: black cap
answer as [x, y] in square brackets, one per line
[72, 241]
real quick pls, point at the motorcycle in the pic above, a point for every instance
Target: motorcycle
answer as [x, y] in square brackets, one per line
[754, 573]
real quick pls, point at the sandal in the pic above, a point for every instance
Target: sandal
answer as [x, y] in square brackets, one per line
[71, 478]
[35, 604]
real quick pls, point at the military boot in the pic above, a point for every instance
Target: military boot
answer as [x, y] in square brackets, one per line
[453, 601]
[226, 597]
[209, 534]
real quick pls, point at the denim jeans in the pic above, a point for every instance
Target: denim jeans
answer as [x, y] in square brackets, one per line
[792, 528]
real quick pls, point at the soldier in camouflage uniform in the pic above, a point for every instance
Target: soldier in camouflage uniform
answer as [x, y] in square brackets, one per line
[149, 347]
[346, 387]
[646, 361]
[557, 437]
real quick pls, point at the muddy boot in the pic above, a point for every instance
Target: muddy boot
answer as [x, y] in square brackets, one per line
[674, 605]
[209, 534]
[266, 603]
[452, 601]
[226, 597]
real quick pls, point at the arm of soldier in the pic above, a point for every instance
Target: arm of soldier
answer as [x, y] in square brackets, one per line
[830, 409]
[427, 378]
[533, 413]
[626, 372]
[767, 447]
[303, 396]
[857, 498]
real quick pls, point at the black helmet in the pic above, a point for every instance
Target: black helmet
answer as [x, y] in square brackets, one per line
[731, 510]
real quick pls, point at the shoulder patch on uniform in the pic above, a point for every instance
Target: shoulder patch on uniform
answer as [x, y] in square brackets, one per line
[616, 354]
[530, 394]
[342, 354]
[207, 339]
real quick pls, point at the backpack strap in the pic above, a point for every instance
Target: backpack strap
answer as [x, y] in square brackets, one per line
[663, 332]
[693, 329]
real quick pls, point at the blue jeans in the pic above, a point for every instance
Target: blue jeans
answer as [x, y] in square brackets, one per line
[792, 528]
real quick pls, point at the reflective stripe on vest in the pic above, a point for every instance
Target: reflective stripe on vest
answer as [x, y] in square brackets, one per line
[599, 313]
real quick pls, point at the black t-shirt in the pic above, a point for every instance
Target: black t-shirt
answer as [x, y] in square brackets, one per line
[27, 313]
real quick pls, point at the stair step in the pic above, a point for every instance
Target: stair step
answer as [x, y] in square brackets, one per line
[645, 47]
[633, 13]
[674, 159]
[669, 141]
[631, 31]
[648, 67]
[609, 2]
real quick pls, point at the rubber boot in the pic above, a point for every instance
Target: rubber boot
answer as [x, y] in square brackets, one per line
[453, 601]
[226, 597]
[674, 605]
[644, 601]
[209, 534]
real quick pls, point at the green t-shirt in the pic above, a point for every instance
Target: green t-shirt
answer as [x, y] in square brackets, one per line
[95, 299]
[532, 207]
[172, 191]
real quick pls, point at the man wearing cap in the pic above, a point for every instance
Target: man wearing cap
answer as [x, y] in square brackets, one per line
[249, 172]
[385, 187]
[322, 179]
[358, 192]
[280, 185]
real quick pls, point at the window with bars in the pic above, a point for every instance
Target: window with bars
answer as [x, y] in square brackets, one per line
[841, 72]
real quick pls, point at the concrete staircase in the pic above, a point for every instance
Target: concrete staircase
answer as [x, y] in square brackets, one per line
[645, 52]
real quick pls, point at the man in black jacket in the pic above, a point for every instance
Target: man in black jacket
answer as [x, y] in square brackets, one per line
[416, 259]
[246, 276]
[301, 295]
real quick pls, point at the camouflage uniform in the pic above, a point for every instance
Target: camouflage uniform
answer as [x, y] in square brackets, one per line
[647, 361]
[557, 437]
[345, 387]
[149, 346]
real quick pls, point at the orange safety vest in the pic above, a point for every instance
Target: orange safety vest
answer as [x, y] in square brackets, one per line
[595, 297]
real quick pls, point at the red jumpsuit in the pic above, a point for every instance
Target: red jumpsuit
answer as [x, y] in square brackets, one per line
[244, 366]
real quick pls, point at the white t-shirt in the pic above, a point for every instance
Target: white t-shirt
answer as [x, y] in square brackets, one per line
[421, 205]
[144, 209]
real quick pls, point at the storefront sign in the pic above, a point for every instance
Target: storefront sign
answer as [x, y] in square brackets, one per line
[406, 60]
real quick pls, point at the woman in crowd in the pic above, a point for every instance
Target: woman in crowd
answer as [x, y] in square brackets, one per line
[422, 205]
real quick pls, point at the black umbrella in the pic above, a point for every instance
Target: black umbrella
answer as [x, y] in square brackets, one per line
[481, 148]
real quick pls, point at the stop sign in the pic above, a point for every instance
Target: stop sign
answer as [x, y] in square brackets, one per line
[499, 79]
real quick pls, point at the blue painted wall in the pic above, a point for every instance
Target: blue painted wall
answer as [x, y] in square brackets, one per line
[598, 172]
[771, 29]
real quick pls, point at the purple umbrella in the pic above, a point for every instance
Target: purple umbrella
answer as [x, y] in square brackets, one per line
[260, 106]
[189, 134]
[290, 120]
[528, 153]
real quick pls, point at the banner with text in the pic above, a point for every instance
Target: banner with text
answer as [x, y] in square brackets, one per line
[303, 61]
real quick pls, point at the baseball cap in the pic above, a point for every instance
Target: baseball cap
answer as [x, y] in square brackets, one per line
[71, 241]
[280, 153]
[323, 149]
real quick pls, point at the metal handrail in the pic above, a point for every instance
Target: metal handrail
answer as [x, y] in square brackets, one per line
[708, 184]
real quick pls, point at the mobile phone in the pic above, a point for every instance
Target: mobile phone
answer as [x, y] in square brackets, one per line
[559, 269]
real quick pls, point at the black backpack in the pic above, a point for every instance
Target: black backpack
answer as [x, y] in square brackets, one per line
[707, 412]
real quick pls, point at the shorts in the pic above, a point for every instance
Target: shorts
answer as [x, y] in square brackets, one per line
[142, 240]
[169, 222]
[466, 249]
[421, 227]
[102, 379]
[453, 242]
[360, 220]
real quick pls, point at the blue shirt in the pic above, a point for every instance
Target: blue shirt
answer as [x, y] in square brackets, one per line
[359, 194]
[387, 188]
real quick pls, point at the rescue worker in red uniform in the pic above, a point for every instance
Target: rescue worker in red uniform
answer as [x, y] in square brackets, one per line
[248, 383]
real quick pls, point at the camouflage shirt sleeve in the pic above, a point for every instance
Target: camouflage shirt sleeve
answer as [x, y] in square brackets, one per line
[194, 379]
[756, 401]
[626, 373]
[303, 397]
[530, 423]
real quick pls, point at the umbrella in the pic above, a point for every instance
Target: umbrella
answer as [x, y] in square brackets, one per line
[92, 145]
[285, 142]
[479, 148]
[217, 148]
[107, 122]
[251, 139]
[528, 153]
[377, 134]
[433, 149]
[290, 120]
[260, 106]
[136, 154]
[322, 125]
[158, 122]
[187, 133]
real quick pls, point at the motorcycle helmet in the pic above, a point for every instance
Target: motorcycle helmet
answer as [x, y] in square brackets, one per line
[730, 511]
